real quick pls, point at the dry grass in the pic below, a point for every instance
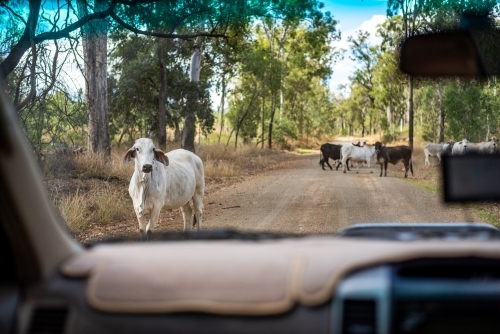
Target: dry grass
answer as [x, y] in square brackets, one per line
[86, 166]
[82, 210]
[223, 161]
[89, 191]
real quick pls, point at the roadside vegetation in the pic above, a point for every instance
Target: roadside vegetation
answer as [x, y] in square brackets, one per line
[430, 179]
[90, 193]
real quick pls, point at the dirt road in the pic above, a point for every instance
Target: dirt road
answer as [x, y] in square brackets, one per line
[302, 198]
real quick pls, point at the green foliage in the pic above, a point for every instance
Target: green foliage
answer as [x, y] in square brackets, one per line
[471, 108]
[135, 81]
[57, 121]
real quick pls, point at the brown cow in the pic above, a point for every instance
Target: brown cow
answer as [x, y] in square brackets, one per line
[393, 155]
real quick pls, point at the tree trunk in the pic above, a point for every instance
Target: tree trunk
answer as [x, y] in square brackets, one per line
[441, 113]
[188, 132]
[410, 112]
[162, 132]
[95, 42]
[363, 117]
[177, 132]
[271, 120]
[222, 102]
[263, 124]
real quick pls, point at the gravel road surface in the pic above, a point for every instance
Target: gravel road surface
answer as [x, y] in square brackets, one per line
[302, 198]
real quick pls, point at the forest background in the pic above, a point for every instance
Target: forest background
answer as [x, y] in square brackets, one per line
[231, 80]
[153, 69]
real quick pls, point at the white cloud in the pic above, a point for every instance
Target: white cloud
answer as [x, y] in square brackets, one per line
[345, 67]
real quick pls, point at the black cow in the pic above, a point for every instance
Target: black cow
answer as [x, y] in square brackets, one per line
[393, 155]
[330, 151]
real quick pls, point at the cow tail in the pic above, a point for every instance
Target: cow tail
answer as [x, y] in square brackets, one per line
[320, 157]
[195, 221]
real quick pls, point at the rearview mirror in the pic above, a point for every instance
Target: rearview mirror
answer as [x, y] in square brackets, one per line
[443, 54]
[471, 53]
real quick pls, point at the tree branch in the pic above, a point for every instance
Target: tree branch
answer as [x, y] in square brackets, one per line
[161, 35]
[24, 43]
[14, 57]
[32, 92]
[72, 27]
[13, 13]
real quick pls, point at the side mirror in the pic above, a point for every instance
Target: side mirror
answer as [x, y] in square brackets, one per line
[471, 178]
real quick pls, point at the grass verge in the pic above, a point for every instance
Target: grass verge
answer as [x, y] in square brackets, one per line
[489, 212]
[427, 185]
[92, 192]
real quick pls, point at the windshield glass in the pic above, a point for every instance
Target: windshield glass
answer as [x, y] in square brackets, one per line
[286, 117]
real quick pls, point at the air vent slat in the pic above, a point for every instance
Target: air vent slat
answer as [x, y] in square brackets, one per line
[359, 317]
[48, 320]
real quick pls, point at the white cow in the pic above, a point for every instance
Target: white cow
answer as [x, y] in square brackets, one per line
[473, 147]
[459, 147]
[488, 147]
[437, 150]
[357, 154]
[164, 180]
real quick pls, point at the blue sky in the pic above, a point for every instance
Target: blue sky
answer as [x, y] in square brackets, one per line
[353, 15]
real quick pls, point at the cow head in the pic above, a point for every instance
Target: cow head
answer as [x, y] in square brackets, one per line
[144, 151]
[378, 146]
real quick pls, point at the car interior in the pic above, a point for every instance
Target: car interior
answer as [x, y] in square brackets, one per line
[367, 278]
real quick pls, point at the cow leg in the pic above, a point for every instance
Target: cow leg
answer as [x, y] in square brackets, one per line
[143, 223]
[338, 164]
[347, 164]
[198, 209]
[322, 163]
[155, 214]
[326, 160]
[381, 168]
[439, 158]
[406, 170]
[187, 212]
[385, 167]
[344, 164]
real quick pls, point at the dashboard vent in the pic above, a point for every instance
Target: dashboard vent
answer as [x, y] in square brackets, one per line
[359, 316]
[48, 320]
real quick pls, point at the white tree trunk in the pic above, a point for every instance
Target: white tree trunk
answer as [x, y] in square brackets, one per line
[188, 132]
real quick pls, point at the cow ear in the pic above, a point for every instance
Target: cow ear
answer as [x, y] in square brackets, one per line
[129, 155]
[459, 143]
[161, 157]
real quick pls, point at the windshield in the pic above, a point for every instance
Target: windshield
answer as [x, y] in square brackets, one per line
[271, 116]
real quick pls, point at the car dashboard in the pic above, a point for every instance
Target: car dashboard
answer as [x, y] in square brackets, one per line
[412, 293]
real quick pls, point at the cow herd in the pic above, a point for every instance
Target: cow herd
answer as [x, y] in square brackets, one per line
[362, 153]
[458, 148]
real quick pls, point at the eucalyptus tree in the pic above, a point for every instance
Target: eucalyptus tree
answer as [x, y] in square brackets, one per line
[148, 75]
[366, 56]
[183, 19]
[421, 16]
[389, 81]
